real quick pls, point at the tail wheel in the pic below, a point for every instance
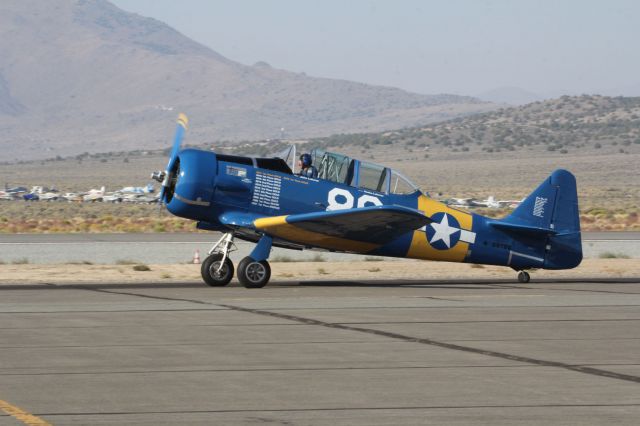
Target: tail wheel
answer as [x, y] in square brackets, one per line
[253, 274]
[214, 275]
[523, 277]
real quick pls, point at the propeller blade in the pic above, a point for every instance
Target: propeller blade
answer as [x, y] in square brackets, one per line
[183, 122]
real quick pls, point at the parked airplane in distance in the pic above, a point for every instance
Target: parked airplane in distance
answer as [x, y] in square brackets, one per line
[94, 195]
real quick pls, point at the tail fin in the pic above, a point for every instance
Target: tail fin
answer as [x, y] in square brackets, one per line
[553, 207]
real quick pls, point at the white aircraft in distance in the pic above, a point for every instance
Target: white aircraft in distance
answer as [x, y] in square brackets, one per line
[462, 202]
[49, 196]
[112, 197]
[140, 198]
[46, 194]
[137, 189]
[7, 196]
[148, 198]
[515, 203]
[40, 190]
[492, 203]
[489, 202]
[94, 195]
[73, 196]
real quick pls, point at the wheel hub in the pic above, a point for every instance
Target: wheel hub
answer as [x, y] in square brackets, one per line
[256, 272]
[216, 271]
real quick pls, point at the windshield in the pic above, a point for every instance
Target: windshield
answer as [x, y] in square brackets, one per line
[288, 155]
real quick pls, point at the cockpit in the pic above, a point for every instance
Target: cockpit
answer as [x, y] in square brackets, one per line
[340, 168]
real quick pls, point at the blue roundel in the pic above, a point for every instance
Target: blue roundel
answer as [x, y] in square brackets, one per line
[444, 232]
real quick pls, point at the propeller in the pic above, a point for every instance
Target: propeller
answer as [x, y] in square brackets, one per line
[166, 176]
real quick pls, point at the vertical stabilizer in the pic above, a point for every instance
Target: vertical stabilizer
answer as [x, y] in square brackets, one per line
[554, 206]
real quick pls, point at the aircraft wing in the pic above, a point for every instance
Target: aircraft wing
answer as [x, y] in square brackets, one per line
[358, 230]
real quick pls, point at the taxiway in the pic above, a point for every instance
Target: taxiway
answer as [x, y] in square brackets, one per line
[324, 353]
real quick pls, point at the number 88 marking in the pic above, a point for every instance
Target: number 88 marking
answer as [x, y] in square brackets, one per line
[341, 199]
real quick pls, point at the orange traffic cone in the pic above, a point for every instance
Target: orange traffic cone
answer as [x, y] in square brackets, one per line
[196, 257]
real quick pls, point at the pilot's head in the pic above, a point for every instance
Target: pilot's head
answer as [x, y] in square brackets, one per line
[305, 161]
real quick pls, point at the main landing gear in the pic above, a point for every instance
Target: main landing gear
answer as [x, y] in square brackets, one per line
[253, 271]
[523, 277]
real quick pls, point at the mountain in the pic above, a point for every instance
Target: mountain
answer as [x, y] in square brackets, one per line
[84, 75]
[509, 95]
[503, 153]
[8, 105]
[566, 125]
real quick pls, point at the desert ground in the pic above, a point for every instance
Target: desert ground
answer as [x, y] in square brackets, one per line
[309, 271]
[608, 185]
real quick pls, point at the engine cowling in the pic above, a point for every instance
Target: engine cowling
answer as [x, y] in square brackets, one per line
[190, 184]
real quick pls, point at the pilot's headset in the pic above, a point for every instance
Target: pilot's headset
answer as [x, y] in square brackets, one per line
[306, 160]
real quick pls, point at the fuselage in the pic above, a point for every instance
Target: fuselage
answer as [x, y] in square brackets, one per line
[211, 187]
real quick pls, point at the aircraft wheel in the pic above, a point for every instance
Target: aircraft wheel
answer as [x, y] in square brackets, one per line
[252, 274]
[523, 277]
[210, 274]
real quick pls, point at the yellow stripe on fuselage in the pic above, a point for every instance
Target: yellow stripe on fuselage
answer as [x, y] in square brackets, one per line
[277, 226]
[420, 247]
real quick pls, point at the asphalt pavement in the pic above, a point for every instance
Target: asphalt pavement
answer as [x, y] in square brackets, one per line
[322, 353]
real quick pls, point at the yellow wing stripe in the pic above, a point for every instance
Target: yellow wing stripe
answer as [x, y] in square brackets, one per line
[277, 226]
[268, 222]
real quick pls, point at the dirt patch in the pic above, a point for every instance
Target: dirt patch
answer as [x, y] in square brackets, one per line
[302, 271]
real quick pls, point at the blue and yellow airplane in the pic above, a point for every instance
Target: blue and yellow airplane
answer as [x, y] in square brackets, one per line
[357, 207]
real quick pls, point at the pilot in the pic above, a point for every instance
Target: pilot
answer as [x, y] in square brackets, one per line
[306, 169]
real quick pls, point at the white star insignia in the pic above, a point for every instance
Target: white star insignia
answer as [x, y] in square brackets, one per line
[443, 231]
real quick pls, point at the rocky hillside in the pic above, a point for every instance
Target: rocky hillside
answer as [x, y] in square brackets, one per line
[83, 75]
[504, 154]
[569, 124]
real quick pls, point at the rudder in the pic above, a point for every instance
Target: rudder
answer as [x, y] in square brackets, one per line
[554, 206]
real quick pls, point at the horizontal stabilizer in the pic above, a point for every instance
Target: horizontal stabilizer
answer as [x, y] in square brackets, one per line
[521, 228]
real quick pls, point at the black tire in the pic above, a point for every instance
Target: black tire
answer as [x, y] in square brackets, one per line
[211, 265]
[523, 277]
[252, 274]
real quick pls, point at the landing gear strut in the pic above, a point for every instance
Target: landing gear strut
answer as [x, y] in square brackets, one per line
[217, 269]
[253, 271]
[523, 277]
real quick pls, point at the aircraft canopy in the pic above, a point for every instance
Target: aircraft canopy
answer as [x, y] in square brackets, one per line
[340, 168]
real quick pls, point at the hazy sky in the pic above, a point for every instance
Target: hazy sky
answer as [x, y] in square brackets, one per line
[455, 46]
